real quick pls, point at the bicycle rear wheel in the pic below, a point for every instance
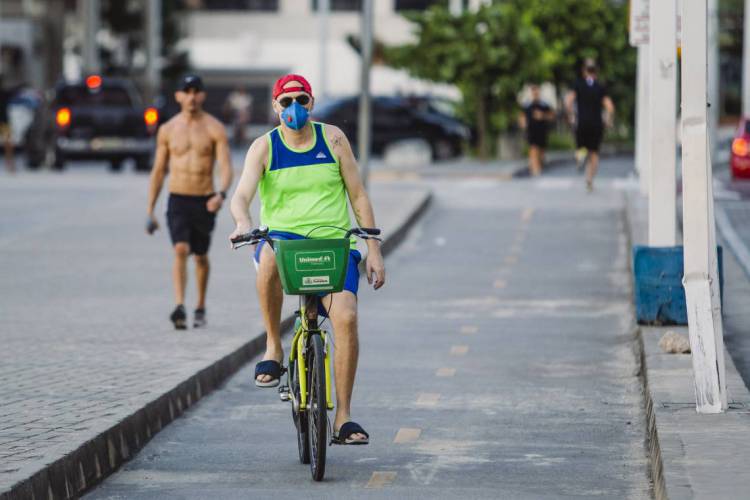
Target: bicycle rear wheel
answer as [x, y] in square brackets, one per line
[299, 417]
[317, 417]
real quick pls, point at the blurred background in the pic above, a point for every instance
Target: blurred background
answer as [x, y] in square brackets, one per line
[448, 75]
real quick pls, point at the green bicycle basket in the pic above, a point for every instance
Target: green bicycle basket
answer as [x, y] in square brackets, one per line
[311, 266]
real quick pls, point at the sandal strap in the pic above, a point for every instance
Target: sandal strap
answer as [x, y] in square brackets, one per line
[350, 428]
[268, 367]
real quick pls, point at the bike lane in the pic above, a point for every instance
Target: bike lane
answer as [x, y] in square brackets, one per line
[496, 363]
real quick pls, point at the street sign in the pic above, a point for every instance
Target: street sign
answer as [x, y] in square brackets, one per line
[638, 22]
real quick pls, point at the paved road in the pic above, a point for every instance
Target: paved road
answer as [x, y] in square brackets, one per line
[497, 363]
[84, 336]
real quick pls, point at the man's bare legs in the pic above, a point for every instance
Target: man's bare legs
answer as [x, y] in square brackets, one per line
[535, 160]
[202, 269]
[591, 168]
[271, 298]
[179, 271]
[343, 314]
[10, 163]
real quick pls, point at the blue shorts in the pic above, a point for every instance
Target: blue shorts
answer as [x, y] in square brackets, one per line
[352, 271]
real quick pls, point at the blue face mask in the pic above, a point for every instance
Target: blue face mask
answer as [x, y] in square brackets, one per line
[295, 116]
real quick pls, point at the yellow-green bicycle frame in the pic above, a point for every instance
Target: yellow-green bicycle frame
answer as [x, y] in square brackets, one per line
[299, 341]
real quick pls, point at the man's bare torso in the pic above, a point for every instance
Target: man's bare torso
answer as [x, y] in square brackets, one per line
[191, 143]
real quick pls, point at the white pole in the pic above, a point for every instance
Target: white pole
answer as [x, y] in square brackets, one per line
[90, 46]
[662, 199]
[456, 7]
[153, 43]
[713, 76]
[642, 120]
[365, 120]
[746, 62]
[324, 8]
[701, 264]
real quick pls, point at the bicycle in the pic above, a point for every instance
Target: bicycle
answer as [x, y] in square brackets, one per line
[310, 268]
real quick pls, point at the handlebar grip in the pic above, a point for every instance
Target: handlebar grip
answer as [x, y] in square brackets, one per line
[370, 230]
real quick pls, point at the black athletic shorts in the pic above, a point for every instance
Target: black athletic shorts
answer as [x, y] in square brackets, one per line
[589, 136]
[190, 221]
[537, 138]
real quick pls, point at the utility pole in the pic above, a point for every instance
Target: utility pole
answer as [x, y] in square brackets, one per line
[746, 62]
[662, 200]
[456, 7]
[701, 280]
[713, 76]
[365, 119]
[153, 49]
[638, 37]
[91, 13]
[324, 8]
[642, 135]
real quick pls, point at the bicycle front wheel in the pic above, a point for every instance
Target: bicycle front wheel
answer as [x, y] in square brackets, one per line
[317, 417]
[299, 416]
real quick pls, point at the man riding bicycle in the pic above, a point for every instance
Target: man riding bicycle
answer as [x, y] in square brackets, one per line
[304, 171]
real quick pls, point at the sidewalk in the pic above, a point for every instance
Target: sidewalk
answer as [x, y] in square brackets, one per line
[90, 368]
[692, 455]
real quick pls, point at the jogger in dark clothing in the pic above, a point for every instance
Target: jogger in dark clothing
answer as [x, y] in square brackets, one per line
[536, 118]
[591, 99]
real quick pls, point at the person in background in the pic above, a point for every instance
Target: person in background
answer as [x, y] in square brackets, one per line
[590, 99]
[238, 106]
[187, 147]
[6, 136]
[535, 119]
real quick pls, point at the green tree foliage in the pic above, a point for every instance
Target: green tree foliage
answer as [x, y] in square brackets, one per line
[491, 53]
[578, 29]
[488, 54]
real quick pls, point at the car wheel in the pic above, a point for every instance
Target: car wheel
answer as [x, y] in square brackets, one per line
[115, 164]
[442, 150]
[143, 163]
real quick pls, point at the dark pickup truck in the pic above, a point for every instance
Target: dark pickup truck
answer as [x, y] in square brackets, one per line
[101, 119]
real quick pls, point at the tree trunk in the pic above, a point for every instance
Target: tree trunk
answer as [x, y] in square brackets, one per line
[483, 143]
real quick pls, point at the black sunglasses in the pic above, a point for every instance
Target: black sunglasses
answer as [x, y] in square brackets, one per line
[287, 101]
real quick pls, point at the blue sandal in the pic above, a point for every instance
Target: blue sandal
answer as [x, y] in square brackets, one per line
[344, 434]
[271, 368]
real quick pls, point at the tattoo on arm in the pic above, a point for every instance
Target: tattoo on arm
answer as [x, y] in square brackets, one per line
[336, 141]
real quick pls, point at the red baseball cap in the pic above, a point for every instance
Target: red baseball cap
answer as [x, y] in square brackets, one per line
[304, 85]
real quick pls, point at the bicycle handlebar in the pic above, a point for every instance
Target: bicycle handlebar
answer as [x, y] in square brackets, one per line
[261, 233]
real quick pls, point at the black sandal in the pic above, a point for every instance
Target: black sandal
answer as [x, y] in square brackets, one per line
[269, 367]
[345, 432]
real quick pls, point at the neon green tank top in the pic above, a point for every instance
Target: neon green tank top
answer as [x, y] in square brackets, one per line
[303, 189]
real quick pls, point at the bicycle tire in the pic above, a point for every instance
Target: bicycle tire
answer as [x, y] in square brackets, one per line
[299, 417]
[317, 416]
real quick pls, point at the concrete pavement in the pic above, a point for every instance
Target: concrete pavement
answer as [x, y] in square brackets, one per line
[90, 367]
[498, 362]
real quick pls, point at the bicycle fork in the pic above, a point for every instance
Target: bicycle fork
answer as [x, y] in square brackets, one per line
[299, 348]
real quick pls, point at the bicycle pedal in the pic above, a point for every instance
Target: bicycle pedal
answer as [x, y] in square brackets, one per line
[284, 393]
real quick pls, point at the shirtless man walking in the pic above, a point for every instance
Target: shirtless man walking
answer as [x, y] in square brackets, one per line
[187, 146]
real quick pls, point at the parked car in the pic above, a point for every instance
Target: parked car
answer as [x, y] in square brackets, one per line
[98, 118]
[740, 158]
[395, 119]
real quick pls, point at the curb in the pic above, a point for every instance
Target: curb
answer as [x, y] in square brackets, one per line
[94, 460]
[656, 465]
